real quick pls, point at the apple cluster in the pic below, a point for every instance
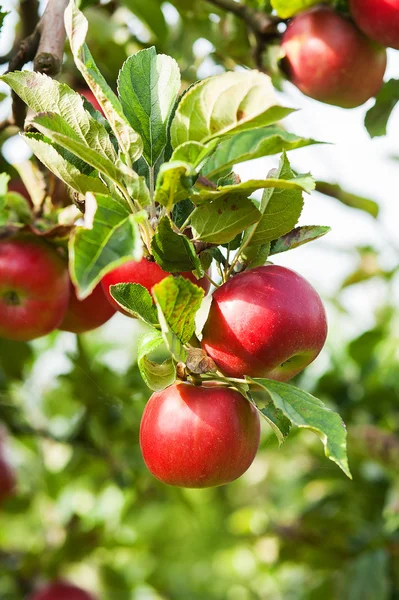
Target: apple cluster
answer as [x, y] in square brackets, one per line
[264, 322]
[340, 60]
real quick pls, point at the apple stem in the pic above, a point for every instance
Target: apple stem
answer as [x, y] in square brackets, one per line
[211, 280]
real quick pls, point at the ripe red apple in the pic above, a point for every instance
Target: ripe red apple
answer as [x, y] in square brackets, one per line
[87, 314]
[7, 475]
[328, 59]
[34, 288]
[265, 322]
[378, 19]
[198, 437]
[146, 273]
[60, 590]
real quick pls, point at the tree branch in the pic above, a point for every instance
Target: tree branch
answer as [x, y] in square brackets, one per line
[258, 21]
[52, 38]
[263, 26]
[45, 45]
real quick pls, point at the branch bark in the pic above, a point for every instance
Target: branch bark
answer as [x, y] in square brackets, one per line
[45, 45]
[52, 38]
[263, 26]
[258, 21]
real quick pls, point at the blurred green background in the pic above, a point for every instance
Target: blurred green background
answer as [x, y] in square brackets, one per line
[293, 527]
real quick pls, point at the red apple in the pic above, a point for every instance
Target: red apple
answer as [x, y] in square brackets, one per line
[328, 59]
[60, 590]
[265, 322]
[378, 19]
[87, 314]
[34, 288]
[7, 476]
[147, 274]
[90, 97]
[198, 437]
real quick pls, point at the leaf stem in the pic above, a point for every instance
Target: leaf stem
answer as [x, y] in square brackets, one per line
[211, 280]
[239, 252]
[153, 212]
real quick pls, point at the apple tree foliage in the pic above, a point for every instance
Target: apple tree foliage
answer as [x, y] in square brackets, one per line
[154, 175]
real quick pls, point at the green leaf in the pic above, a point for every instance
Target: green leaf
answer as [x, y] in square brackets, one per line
[298, 237]
[51, 157]
[148, 85]
[352, 200]
[304, 410]
[18, 208]
[287, 181]
[136, 300]
[150, 13]
[174, 183]
[178, 300]
[76, 26]
[3, 15]
[255, 256]
[181, 212]
[190, 152]
[112, 239]
[57, 129]
[173, 251]
[277, 420]
[287, 8]
[46, 95]
[280, 208]
[221, 220]
[226, 104]
[156, 376]
[251, 144]
[377, 116]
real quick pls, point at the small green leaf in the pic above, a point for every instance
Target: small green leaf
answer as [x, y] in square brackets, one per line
[174, 183]
[174, 252]
[3, 15]
[181, 212]
[226, 104]
[136, 300]
[76, 26]
[51, 156]
[352, 200]
[255, 256]
[248, 145]
[179, 301]
[377, 116]
[220, 221]
[148, 86]
[287, 8]
[287, 181]
[304, 410]
[111, 240]
[280, 208]
[189, 152]
[156, 376]
[277, 420]
[298, 237]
